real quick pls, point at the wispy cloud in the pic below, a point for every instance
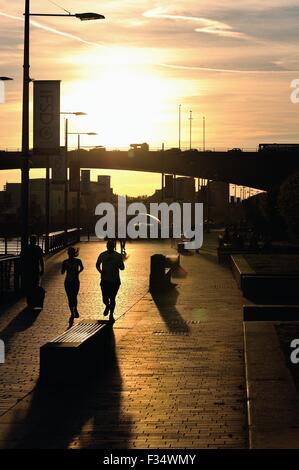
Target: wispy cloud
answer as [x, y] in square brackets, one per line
[207, 25]
[213, 69]
[53, 30]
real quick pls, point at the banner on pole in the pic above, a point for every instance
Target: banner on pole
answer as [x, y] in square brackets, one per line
[58, 167]
[169, 187]
[85, 181]
[75, 176]
[46, 117]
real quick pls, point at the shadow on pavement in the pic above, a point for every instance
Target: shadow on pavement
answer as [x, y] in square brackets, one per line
[166, 304]
[21, 322]
[209, 256]
[86, 415]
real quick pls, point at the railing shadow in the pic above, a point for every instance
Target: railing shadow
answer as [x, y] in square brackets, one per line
[85, 415]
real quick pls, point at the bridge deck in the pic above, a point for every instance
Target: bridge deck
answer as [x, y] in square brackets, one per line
[252, 169]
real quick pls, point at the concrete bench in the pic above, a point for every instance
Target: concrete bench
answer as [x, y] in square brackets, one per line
[225, 253]
[172, 261]
[77, 353]
[271, 313]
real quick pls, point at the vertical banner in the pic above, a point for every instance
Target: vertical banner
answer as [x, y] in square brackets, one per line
[74, 176]
[85, 181]
[169, 189]
[58, 167]
[46, 117]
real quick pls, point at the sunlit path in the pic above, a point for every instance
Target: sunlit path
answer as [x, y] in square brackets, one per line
[178, 375]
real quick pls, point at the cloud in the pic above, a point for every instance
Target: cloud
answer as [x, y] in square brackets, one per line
[207, 25]
[213, 69]
[53, 30]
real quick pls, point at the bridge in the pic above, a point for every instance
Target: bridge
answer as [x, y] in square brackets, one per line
[260, 170]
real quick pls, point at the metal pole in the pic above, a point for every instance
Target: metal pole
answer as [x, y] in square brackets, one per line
[180, 125]
[78, 192]
[66, 183]
[162, 185]
[47, 205]
[204, 134]
[25, 132]
[190, 119]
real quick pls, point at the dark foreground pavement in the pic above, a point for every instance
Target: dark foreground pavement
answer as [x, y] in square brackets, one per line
[177, 376]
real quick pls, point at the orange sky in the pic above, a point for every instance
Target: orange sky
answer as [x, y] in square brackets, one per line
[228, 62]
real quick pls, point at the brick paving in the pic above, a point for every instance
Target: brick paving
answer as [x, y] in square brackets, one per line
[177, 379]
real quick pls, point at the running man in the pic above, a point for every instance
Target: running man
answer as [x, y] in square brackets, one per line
[72, 266]
[108, 264]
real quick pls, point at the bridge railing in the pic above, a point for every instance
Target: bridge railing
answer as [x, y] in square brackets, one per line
[10, 277]
[59, 240]
[10, 265]
[54, 242]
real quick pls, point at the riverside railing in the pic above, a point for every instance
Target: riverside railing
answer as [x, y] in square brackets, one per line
[10, 261]
[54, 242]
[10, 277]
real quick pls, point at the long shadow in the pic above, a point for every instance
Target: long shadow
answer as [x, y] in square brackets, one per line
[166, 304]
[21, 322]
[85, 415]
[209, 256]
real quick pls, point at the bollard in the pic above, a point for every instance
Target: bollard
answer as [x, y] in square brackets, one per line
[157, 274]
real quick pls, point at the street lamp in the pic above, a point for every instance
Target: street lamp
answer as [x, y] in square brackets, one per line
[25, 109]
[78, 134]
[180, 125]
[75, 113]
[190, 130]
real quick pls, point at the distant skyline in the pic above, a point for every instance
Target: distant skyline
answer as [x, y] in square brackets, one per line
[232, 62]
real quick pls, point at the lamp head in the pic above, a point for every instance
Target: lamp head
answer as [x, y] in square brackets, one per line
[89, 16]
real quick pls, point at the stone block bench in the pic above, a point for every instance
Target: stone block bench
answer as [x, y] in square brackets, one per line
[77, 353]
[271, 313]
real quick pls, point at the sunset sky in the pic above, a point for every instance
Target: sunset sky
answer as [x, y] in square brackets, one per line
[232, 62]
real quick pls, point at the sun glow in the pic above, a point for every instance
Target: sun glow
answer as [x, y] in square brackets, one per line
[127, 102]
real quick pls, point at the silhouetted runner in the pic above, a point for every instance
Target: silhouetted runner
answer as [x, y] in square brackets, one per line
[123, 242]
[108, 264]
[32, 264]
[72, 266]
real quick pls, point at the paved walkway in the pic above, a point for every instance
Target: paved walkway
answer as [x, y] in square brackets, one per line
[178, 376]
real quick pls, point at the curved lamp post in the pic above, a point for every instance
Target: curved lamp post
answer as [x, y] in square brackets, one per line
[76, 113]
[25, 110]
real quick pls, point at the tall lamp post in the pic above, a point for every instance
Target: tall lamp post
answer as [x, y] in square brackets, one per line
[190, 137]
[78, 134]
[77, 113]
[25, 109]
[180, 125]
[204, 134]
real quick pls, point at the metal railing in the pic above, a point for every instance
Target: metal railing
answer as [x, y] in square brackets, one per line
[11, 246]
[10, 265]
[59, 240]
[10, 277]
